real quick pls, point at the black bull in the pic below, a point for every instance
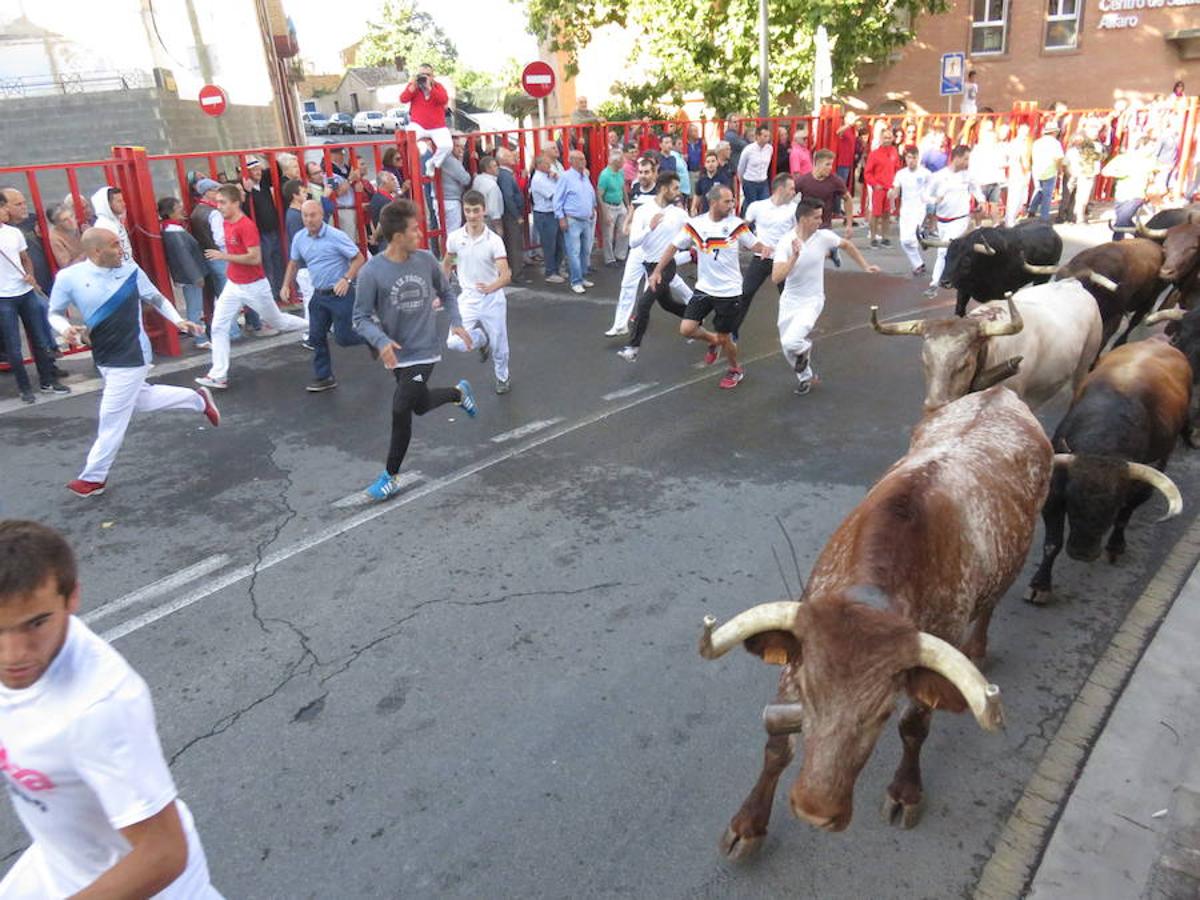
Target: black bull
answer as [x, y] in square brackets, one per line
[987, 263]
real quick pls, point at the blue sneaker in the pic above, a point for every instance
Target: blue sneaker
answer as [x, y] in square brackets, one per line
[383, 487]
[468, 398]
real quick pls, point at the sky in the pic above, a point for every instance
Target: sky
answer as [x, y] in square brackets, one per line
[473, 25]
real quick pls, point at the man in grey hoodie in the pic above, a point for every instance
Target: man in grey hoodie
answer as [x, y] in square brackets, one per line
[394, 309]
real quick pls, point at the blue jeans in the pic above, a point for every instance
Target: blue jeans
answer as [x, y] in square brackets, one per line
[15, 312]
[579, 247]
[325, 310]
[1042, 197]
[754, 190]
[551, 239]
[272, 260]
[1123, 214]
[193, 298]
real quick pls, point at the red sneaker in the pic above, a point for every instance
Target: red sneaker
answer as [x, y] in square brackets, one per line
[732, 378]
[712, 354]
[210, 408]
[81, 488]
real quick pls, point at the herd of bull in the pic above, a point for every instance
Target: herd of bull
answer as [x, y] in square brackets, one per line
[900, 599]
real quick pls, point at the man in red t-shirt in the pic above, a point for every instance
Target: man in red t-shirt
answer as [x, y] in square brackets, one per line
[246, 285]
[882, 165]
[427, 101]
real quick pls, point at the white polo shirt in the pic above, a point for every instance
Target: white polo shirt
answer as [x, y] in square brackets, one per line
[913, 185]
[653, 241]
[12, 277]
[475, 258]
[806, 281]
[950, 192]
[719, 271]
[771, 221]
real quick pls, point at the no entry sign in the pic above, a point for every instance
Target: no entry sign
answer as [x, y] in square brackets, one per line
[537, 79]
[212, 100]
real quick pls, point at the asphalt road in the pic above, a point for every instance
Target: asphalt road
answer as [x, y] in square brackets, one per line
[489, 687]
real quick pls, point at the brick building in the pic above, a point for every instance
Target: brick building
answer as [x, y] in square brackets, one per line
[1086, 53]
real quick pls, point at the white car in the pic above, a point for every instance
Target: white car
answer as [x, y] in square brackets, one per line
[368, 121]
[395, 119]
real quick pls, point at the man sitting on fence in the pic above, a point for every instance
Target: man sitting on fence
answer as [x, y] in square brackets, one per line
[427, 101]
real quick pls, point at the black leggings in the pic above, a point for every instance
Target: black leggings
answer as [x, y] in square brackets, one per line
[413, 395]
[757, 272]
[661, 295]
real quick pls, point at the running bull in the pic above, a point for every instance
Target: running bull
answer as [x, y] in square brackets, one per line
[1041, 338]
[987, 263]
[1155, 228]
[920, 562]
[1111, 449]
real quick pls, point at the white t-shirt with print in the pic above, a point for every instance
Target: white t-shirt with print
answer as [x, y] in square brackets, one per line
[80, 755]
[12, 277]
[806, 280]
[771, 221]
[475, 258]
[653, 241]
[913, 185]
[719, 270]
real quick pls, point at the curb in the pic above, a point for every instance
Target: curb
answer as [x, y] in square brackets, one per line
[1023, 839]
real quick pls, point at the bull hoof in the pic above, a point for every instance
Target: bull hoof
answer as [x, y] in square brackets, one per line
[898, 813]
[1038, 596]
[1113, 553]
[735, 847]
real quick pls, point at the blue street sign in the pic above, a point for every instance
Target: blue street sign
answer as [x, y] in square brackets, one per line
[954, 67]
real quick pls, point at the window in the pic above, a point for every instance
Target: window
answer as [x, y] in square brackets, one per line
[989, 27]
[1062, 24]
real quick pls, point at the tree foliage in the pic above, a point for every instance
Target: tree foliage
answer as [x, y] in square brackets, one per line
[403, 31]
[711, 46]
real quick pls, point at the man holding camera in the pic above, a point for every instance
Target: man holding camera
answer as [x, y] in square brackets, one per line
[427, 101]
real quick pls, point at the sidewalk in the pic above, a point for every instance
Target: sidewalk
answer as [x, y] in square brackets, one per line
[1131, 828]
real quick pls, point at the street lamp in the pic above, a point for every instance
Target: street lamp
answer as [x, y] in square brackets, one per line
[763, 94]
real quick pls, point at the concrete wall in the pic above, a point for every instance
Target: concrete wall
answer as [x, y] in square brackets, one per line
[1109, 63]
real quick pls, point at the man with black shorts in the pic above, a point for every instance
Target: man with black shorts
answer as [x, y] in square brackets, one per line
[771, 218]
[717, 237]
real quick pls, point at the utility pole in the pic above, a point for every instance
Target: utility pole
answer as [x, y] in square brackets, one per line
[763, 93]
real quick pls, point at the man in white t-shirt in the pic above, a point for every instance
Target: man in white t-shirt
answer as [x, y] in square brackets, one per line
[969, 105]
[799, 266]
[482, 262]
[771, 219]
[78, 745]
[654, 228]
[949, 205]
[717, 236]
[911, 185]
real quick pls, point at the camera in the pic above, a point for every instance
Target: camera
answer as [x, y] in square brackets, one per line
[423, 82]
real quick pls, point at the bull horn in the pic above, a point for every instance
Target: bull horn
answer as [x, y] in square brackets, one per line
[1097, 279]
[934, 242]
[1160, 482]
[910, 326]
[949, 662]
[783, 718]
[1155, 234]
[1064, 460]
[777, 616]
[996, 374]
[1039, 270]
[1175, 314]
[1123, 229]
[998, 329]
[983, 248]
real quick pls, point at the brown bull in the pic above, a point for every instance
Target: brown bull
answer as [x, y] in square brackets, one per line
[1132, 269]
[1181, 256]
[921, 561]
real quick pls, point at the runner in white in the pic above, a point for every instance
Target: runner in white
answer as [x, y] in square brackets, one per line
[108, 294]
[717, 236]
[771, 218]
[911, 185]
[800, 267]
[78, 745]
[479, 255]
[642, 192]
[949, 203]
[654, 229]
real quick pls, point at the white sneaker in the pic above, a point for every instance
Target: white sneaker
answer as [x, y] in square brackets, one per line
[588, 284]
[266, 330]
[554, 279]
[219, 384]
[577, 288]
[615, 331]
[628, 353]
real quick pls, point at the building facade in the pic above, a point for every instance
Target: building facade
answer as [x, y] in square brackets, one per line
[1085, 53]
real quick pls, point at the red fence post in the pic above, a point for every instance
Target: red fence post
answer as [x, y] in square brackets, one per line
[415, 177]
[142, 224]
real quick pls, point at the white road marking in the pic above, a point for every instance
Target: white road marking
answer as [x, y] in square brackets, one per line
[362, 498]
[629, 391]
[369, 515]
[157, 588]
[525, 430]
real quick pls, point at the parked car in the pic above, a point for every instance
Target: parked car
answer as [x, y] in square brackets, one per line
[395, 119]
[315, 123]
[368, 121]
[341, 123]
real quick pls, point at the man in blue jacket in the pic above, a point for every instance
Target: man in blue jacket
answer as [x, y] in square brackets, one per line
[513, 222]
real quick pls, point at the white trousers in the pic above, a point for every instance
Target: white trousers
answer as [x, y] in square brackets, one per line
[1017, 194]
[125, 390]
[947, 231]
[796, 321]
[454, 215]
[490, 311]
[443, 142]
[257, 296]
[305, 286]
[632, 277]
[909, 223]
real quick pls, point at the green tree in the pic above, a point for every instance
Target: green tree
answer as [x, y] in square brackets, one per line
[404, 32]
[711, 46]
